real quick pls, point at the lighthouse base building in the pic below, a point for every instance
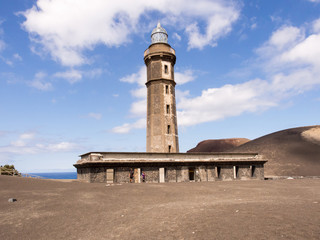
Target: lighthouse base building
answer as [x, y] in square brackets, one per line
[162, 162]
[113, 167]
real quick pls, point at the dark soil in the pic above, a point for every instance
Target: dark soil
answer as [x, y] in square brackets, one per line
[48, 209]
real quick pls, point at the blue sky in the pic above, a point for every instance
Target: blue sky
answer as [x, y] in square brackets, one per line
[72, 73]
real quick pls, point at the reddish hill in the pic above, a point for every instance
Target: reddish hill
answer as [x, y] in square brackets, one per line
[291, 152]
[218, 145]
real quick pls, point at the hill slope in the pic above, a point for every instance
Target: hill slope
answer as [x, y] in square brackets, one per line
[291, 152]
[218, 145]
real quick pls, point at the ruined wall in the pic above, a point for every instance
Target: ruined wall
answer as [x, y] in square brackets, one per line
[83, 174]
[183, 174]
[202, 177]
[171, 174]
[244, 172]
[98, 174]
[211, 173]
[122, 175]
[152, 174]
[226, 173]
[258, 172]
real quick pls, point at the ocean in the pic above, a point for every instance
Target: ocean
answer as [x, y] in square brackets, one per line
[55, 175]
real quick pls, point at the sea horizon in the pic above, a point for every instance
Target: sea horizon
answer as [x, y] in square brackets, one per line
[53, 175]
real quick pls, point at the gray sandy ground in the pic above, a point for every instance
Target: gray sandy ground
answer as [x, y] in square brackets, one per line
[47, 209]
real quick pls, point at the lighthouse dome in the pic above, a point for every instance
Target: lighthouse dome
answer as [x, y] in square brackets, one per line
[159, 35]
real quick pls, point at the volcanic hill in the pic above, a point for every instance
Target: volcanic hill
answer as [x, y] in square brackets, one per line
[290, 152]
[218, 145]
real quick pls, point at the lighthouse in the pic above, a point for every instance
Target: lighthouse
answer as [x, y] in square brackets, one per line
[162, 130]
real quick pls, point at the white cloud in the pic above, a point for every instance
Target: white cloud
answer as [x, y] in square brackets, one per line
[72, 76]
[127, 127]
[184, 77]
[176, 36]
[16, 56]
[306, 52]
[23, 139]
[2, 45]
[227, 101]
[253, 26]
[61, 147]
[139, 108]
[218, 25]
[316, 26]
[66, 28]
[281, 40]
[96, 116]
[40, 83]
[30, 143]
[140, 77]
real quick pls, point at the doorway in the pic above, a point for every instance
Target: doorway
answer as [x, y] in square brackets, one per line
[191, 174]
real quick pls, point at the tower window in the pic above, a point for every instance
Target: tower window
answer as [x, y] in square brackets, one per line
[168, 109]
[168, 129]
[169, 148]
[166, 69]
[167, 89]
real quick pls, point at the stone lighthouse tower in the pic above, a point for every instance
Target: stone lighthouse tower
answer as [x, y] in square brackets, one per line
[162, 131]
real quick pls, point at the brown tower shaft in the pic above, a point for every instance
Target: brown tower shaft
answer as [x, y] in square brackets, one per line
[162, 131]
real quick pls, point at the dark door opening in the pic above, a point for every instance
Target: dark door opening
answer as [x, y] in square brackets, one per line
[218, 170]
[253, 171]
[191, 174]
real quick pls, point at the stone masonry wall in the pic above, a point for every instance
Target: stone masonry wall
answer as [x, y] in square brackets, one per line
[122, 175]
[98, 174]
[182, 174]
[202, 174]
[244, 172]
[171, 174]
[211, 173]
[152, 174]
[83, 174]
[259, 172]
[226, 173]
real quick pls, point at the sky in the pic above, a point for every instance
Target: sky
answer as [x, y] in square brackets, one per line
[72, 75]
